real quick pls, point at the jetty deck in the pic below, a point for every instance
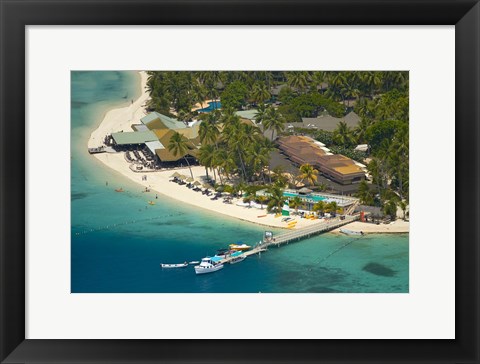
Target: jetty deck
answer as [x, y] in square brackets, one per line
[295, 235]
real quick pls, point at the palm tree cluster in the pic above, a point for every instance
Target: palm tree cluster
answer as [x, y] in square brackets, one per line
[322, 207]
[270, 119]
[182, 90]
[390, 174]
[230, 146]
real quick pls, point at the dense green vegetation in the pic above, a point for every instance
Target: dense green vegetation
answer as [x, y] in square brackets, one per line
[236, 151]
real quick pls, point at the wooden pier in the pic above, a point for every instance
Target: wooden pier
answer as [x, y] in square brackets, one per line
[295, 235]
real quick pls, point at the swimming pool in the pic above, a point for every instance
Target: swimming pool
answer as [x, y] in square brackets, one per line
[309, 197]
[212, 105]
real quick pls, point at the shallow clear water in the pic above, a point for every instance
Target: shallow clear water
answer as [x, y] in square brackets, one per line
[119, 240]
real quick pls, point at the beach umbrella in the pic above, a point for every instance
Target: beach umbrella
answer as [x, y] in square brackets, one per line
[182, 176]
[176, 174]
[189, 179]
[207, 186]
[196, 183]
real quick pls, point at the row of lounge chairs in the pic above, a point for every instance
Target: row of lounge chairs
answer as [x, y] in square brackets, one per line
[206, 191]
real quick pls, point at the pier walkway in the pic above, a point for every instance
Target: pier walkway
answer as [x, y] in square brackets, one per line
[303, 233]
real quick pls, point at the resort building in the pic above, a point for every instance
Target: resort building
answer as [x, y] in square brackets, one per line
[153, 136]
[326, 122]
[303, 149]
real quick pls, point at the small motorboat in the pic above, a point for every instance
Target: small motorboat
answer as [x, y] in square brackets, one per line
[119, 190]
[208, 265]
[181, 265]
[240, 247]
[222, 253]
[351, 232]
[237, 257]
[194, 262]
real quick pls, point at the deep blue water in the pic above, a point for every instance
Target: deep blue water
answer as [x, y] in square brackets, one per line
[118, 240]
[212, 105]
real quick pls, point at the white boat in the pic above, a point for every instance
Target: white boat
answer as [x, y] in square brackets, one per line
[194, 262]
[181, 265]
[351, 232]
[237, 257]
[208, 265]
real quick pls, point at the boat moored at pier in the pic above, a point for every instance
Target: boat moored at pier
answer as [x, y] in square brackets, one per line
[208, 265]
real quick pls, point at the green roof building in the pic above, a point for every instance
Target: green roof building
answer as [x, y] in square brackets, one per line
[135, 137]
[156, 120]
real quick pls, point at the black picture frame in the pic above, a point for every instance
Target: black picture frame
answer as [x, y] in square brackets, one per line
[16, 14]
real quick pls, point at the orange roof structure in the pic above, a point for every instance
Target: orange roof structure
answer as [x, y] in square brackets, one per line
[302, 149]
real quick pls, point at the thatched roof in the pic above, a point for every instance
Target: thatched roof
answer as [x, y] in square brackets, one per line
[305, 190]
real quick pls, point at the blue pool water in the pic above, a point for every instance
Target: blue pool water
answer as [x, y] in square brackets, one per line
[311, 197]
[118, 240]
[212, 105]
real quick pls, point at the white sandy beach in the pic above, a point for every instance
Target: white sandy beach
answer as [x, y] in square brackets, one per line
[121, 118]
[395, 227]
[158, 182]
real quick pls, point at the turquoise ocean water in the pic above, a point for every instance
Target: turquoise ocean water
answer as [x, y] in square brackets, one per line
[118, 241]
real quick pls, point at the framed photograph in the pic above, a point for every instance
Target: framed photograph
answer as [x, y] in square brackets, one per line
[186, 182]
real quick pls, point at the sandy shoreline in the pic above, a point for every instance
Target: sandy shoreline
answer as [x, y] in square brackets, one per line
[396, 227]
[121, 118]
[159, 182]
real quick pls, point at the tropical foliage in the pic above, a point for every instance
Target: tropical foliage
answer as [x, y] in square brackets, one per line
[233, 148]
[179, 146]
[308, 174]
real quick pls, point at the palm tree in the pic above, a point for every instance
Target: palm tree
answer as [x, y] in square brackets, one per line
[249, 196]
[262, 200]
[260, 93]
[225, 160]
[298, 80]
[390, 208]
[308, 173]
[322, 186]
[206, 156]
[257, 159]
[332, 208]
[241, 187]
[372, 80]
[364, 193]
[234, 136]
[343, 135]
[178, 145]
[319, 207]
[208, 132]
[261, 114]
[337, 85]
[273, 120]
[276, 200]
[361, 129]
[295, 203]
[319, 78]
